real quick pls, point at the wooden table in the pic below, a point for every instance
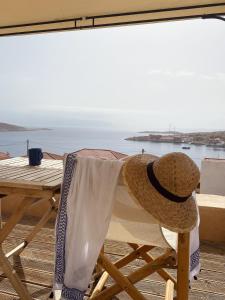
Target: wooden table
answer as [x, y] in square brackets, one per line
[28, 186]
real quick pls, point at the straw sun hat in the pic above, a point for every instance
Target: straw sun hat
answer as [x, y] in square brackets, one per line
[163, 186]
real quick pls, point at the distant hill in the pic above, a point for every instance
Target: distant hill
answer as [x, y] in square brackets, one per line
[4, 127]
[160, 132]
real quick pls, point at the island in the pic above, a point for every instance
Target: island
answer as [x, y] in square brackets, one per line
[210, 139]
[5, 127]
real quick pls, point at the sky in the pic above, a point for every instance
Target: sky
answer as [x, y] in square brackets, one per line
[147, 77]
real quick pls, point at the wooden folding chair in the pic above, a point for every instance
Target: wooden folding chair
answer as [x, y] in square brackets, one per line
[132, 224]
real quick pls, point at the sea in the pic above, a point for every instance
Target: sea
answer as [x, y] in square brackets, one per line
[65, 140]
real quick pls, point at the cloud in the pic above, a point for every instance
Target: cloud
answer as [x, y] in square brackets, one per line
[175, 74]
[170, 73]
[99, 111]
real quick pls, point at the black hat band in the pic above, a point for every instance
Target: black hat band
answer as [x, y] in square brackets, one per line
[154, 181]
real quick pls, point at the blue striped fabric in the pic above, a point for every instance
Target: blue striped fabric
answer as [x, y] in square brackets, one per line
[195, 257]
[72, 294]
[61, 225]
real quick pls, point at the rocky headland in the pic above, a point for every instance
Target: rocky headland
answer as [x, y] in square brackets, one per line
[210, 139]
[4, 127]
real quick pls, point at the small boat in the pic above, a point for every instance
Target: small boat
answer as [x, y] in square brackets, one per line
[186, 147]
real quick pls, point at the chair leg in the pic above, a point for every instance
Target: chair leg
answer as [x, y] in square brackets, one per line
[148, 258]
[134, 277]
[122, 281]
[119, 264]
[100, 284]
[183, 266]
[169, 290]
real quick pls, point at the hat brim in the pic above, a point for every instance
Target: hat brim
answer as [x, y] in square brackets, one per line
[178, 217]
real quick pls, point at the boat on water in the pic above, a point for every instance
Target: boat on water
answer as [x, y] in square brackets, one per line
[186, 147]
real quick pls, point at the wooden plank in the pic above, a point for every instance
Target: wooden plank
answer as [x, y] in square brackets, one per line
[45, 178]
[37, 192]
[148, 296]
[46, 173]
[37, 292]
[52, 163]
[30, 172]
[15, 237]
[24, 184]
[197, 295]
[204, 276]
[30, 262]
[23, 161]
[210, 286]
[158, 289]
[20, 184]
[19, 173]
[113, 247]
[213, 266]
[45, 233]
[14, 161]
[7, 168]
[202, 284]
[39, 277]
[10, 171]
[53, 184]
[13, 171]
[4, 296]
[34, 250]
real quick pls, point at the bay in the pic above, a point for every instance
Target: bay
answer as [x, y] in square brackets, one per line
[64, 140]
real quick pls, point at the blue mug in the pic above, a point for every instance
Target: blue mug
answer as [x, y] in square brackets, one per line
[35, 156]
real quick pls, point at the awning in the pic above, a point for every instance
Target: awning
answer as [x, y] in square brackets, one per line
[36, 16]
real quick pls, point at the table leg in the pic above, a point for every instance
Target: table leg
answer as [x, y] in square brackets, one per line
[1, 196]
[13, 277]
[15, 218]
[35, 230]
[5, 231]
[6, 266]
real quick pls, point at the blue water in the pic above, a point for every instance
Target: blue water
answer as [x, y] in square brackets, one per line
[61, 140]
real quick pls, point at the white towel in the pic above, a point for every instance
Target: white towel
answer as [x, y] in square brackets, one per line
[89, 208]
[194, 250]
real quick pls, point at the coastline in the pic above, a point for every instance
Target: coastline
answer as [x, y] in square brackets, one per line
[214, 139]
[7, 127]
[23, 129]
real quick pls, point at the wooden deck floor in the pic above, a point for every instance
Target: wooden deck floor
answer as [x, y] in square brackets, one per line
[35, 266]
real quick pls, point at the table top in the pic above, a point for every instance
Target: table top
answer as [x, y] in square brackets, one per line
[16, 172]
